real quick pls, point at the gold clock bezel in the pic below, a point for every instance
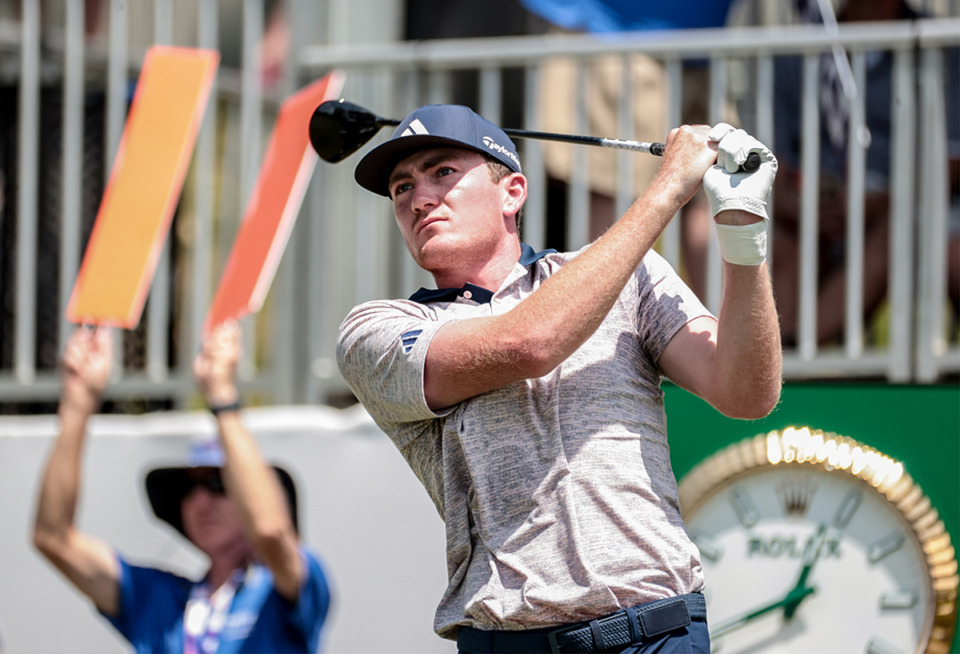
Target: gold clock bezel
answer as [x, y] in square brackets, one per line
[834, 453]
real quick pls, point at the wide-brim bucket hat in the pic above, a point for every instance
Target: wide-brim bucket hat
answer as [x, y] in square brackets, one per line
[167, 486]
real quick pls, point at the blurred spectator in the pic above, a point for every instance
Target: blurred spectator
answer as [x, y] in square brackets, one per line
[650, 88]
[832, 204]
[264, 591]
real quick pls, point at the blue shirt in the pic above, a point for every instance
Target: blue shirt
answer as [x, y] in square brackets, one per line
[152, 604]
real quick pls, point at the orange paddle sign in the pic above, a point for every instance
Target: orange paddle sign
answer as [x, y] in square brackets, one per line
[144, 186]
[287, 166]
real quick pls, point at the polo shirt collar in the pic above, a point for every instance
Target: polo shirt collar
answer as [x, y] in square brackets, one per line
[472, 292]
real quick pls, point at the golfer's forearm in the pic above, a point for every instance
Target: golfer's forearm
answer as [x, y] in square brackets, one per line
[537, 335]
[570, 306]
[748, 366]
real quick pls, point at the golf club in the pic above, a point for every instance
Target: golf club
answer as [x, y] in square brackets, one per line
[339, 128]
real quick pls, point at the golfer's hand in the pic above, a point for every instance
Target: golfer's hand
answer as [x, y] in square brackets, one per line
[215, 366]
[85, 368]
[688, 155]
[727, 187]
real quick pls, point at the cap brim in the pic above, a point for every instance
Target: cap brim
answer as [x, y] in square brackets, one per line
[166, 488]
[373, 171]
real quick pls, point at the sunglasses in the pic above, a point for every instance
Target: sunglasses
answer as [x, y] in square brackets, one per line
[212, 483]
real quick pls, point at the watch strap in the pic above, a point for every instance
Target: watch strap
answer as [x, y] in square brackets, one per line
[231, 407]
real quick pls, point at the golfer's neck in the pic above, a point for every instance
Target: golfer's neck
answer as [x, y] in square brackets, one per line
[488, 273]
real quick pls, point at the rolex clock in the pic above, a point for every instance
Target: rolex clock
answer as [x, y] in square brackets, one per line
[813, 542]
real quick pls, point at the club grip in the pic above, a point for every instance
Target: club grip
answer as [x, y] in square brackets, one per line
[752, 163]
[749, 166]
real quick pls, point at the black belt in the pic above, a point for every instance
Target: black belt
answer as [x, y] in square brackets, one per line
[626, 627]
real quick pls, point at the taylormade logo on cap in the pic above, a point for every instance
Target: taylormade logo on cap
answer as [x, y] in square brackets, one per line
[493, 145]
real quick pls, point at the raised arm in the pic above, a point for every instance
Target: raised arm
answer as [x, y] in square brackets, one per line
[250, 481]
[735, 362]
[469, 357]
[89, 563]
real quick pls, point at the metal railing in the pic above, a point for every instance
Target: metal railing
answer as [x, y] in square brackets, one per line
[344, 248]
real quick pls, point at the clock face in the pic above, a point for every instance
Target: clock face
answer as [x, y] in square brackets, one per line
[804, 550]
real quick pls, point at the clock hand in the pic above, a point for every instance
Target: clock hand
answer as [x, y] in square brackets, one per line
[791, 601]
[790, 608]
[794, 597]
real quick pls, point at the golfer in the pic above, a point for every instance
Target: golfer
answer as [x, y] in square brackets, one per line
[263, 592]
[524, 392]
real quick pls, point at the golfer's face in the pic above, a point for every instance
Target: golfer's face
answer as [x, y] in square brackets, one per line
[444, 200]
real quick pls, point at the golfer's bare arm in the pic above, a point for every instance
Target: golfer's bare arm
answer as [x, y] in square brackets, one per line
[470, 357]
[89, 563]
[249, 479]
[735, 361]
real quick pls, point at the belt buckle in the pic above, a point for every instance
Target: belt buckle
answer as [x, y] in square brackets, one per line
[552, 637]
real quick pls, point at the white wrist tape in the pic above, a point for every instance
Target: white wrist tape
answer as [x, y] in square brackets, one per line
[744, 245]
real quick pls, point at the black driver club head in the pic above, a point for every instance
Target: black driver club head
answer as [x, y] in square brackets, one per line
[339, 128]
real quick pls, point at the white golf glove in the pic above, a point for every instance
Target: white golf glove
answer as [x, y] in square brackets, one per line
[729, 188]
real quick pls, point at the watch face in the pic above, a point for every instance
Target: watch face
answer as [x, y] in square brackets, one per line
[815, 543]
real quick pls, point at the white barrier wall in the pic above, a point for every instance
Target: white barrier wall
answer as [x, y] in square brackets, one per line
[361, 509]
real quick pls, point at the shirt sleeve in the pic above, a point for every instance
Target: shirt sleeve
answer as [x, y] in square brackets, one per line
[310, 612]
[150, 616]
[666, 304]
[382, 351]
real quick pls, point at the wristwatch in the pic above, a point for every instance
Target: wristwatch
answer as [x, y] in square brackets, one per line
[814, 542]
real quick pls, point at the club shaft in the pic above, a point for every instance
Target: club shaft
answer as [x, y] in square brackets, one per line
[618, 144]
[656, 149]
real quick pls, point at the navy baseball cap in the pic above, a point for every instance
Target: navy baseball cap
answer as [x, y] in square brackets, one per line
[434, 126]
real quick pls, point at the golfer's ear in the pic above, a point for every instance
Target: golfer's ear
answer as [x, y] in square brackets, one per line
[516, 193]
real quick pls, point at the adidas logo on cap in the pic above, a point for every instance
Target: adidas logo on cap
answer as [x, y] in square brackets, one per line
[415, 128]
